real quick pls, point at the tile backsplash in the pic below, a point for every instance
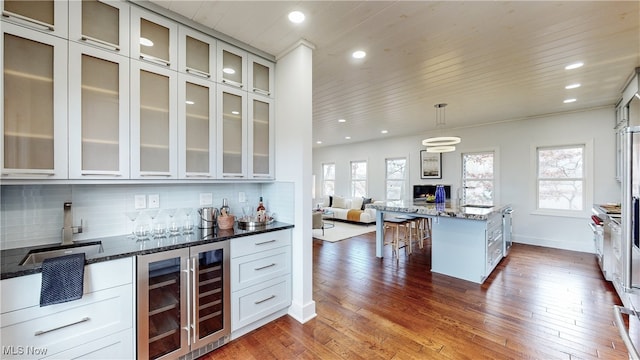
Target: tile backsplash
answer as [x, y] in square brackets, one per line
[33, 214]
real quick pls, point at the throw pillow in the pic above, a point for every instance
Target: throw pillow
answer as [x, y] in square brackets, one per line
[330, 201]
[356, 203]
[365, 201]
[338, 202]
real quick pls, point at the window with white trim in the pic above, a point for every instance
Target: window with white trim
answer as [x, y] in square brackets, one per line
[328, 179]
[395, 180]
[358, 179]
[561, 177]
[478, 178]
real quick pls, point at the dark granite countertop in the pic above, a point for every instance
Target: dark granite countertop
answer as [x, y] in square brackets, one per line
[116, 247]
[445, 210]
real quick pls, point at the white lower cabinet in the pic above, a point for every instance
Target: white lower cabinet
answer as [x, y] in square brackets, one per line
[99, 325]
[260, 280]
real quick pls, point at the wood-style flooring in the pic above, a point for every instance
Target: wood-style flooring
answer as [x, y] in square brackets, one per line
[539, 303]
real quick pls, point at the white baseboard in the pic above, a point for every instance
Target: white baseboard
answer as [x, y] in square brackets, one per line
[301, 313]
[583, 246]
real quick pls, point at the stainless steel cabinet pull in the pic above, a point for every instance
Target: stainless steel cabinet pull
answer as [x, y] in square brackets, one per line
[198, 73]
[37, 333]
[260, 91]
[265, 242]
[267, 299]
[9, 14]
[231, 82]
[264, 267]
[101, 42]
[617, 315]
[155, 60]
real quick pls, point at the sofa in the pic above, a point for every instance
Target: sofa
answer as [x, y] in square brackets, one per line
[352, 210]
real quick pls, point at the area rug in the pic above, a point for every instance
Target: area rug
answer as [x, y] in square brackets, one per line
[343, 231]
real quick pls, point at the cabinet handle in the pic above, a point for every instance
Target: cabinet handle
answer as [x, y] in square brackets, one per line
[102, 43]
[101, 173]
[44, 25]
[187, 281]
[264, 267]
[231, 82]
[617, 315]
[40, 332]
[165, 174]
[263, 300]
[265, 242]
[198, 73]
[34, 174]
[260, 91]
[194, 310]
[155, 60]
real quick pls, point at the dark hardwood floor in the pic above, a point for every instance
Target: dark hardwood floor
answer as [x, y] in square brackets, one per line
[539, 303]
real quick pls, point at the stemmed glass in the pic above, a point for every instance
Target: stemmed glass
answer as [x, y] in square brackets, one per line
[157, 228]
[174, 229]
[188, 225]
[132, 216]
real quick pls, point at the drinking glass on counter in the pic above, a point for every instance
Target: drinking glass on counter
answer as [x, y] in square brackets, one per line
[188, 224]
[132, 216]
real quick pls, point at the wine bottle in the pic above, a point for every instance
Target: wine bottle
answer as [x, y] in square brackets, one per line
[260, 205]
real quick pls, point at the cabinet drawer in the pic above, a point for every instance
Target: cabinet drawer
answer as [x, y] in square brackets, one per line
[261, 242]
[494, 253]
[256, 268]
[255, 302]
[116, 346]
[64, 326]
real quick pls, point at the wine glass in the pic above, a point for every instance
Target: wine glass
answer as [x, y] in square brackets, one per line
[132, 216]
[188, 225]
[174, 229]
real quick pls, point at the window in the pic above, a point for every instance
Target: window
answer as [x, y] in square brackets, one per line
[478, 178]
[358, 179]
[328, 179]
[395, 180]
[561, 177]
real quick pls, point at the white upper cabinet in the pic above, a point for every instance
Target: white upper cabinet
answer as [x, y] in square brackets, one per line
[261, 137]
[154, 38]
[46, 15]
[232, 132]
[196, 128]
[98, 113]
[261, 77]
[34, 111]
[154, 125]
[197, 55]
[232, 66]
[104, 24]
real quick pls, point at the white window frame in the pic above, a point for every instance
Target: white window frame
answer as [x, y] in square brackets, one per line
[352, 181]
[493, 180]
[325, 180]
[403, 181]
[587, 174]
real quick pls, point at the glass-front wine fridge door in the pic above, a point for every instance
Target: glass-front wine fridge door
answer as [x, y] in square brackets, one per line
[162, 305]
[211, 287]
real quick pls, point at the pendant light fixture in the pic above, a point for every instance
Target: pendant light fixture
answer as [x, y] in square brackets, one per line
[440, 144]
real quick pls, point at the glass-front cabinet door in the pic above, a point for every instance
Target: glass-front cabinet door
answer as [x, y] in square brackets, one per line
[154, 139]
[197, 53]
[98, 113]
[154, 38]
[232, 65]
[34, 116]
[261, 137]
[104, 24]
[163, 319]
[232, 132]
[261, 77]
[43, 15]
[196, 127]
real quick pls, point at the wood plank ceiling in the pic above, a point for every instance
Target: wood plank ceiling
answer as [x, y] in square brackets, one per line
[490, 61]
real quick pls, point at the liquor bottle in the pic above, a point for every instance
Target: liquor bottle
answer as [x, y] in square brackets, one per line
[260, 205]
[261, 211]
[225, 207]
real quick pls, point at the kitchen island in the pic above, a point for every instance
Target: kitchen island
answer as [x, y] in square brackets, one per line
[467, 241]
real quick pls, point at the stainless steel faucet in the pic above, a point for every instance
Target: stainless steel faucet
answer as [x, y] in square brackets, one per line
[68, 229]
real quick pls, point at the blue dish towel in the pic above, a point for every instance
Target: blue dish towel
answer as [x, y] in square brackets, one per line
[62, 279]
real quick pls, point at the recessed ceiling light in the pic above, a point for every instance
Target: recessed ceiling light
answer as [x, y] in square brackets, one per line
[383, 131]
[235, 112]
[228, 71]
[347, 137]
[145, 42]
[573, 66]
[342, 120]
[572, 86]
[569, 101]
[318, 142]
[189, 102]
[359, 54]
[296, 17]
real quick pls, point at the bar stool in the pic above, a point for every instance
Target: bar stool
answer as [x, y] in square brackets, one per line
[424, 232]
[395, 224]
[413, 230]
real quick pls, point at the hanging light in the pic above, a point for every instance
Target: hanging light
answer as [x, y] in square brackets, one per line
[440, 144]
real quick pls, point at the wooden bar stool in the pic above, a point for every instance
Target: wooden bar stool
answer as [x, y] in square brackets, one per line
[395, 224]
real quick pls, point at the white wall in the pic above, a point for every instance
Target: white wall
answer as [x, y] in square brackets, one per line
[513, 143]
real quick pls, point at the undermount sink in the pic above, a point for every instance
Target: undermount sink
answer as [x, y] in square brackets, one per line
[477, 206]
[38, 256]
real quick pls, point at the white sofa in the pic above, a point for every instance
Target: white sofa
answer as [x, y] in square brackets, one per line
[350, 209]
